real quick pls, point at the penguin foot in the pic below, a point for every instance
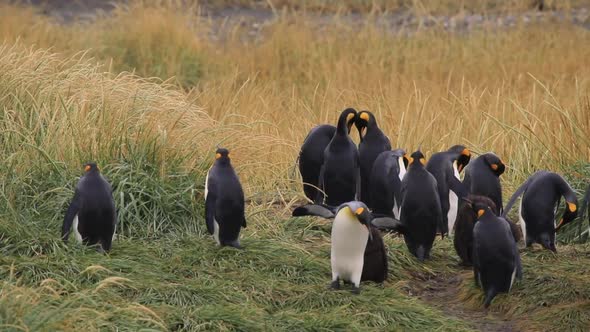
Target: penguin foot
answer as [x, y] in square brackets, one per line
[235, 244]
[335, 285]
[356, 290]
[100, 250]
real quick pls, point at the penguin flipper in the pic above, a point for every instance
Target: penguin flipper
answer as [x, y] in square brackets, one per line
[244, 222]
[71, 213]
[210, 212]
[457, 187]
[322, 188]
[515, 196]
[388, 223]
[317, 210]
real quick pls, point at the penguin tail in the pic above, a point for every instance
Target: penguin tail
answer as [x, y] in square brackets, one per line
[490, 294]
[420, 252]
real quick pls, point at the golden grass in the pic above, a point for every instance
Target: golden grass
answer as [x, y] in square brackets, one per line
[522, 93]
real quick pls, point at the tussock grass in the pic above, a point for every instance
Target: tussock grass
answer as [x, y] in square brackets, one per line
[522, 93]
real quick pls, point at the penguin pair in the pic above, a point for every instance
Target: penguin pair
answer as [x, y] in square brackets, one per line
[466, 219]
[328, 162]
[224, 201]
[496, 260]
[358, 250]
[541, 194]
[482, 178]
[91, 213]
[445, 167]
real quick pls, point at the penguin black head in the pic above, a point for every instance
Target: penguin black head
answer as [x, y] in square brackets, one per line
[495, 163]
[570, 213]
[417, 158]
[401, 153]
[464, 155]
[481, 205]
[222, 156]
[346, 120]
[91, 168]
[364, 120]
[360, 212]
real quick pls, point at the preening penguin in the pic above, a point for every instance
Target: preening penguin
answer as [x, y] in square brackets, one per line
[92, 212]
[340, 174]
[373, 142]
[496, 260]
[385, 185]
[541, 194]
[445, 167]
[420, 209]
[311, 157]
[375, 255]
[350, 234]
[482, 178]
[466, 219]
[224, 201]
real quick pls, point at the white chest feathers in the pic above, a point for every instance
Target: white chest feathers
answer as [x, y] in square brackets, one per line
[402, 168]
[349, 239]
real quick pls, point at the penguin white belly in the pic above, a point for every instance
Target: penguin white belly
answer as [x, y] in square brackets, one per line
[512, 278]
[77, 234]
[453, 210]
[521, 222]
[206, 185]
[349, 239]
[402, 168]
[216, 231]
[396, 209]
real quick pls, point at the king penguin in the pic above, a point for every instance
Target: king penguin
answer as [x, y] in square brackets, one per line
[420, 210]
[340, 174]
[351, 231]
[445, 167]
[482, 178]
[224, 201]
[373, 142]
[496, 260]
[541, 194]
[311, 156]
[91, 212]
[385, 184]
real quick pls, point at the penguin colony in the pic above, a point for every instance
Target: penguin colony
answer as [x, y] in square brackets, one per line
[371, 189]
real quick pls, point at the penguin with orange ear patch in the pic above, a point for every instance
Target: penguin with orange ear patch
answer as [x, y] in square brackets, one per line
[224, 202]
[541, 194]
[92, 213]
[421, 211]
[496, 260]
[482, 178]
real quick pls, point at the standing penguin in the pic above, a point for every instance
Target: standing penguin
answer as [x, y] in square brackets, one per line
[385, 184]
[482, 178]
[373, 142]
[541, 193]
[92, 211]
[496, 260]
[375, 255]
[224, 201]
[420, 209]
[350, 234]
[466, 219]
[339, 176]
[445, 167]
[311, 157]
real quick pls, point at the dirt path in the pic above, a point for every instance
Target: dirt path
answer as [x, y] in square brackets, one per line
[442, 292]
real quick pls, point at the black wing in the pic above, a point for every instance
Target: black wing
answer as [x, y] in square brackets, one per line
[457, 187]
[320, 198]
[70, 215]
[318, 210]
[516, 194]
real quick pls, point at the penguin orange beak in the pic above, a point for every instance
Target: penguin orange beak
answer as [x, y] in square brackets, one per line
[466, 152]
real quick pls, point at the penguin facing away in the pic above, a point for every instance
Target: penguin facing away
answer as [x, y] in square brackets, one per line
[340, 174]
[350, 234]
[466, 219]
[386, 181]
[420, 209]
[311, 157]
[496, 260]
[373, 142]
[375, 255]
[224, 201]
[445, 167]
[541, 194]
[482, 178]
[91, 213]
